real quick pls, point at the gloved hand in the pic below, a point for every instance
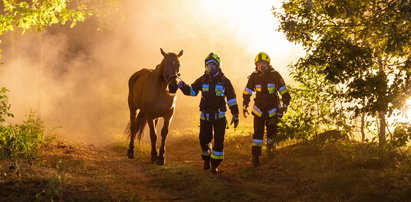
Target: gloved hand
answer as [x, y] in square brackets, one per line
[245, 111]
[172, 87]
[235, 120]
[181, 84]
[283, 110]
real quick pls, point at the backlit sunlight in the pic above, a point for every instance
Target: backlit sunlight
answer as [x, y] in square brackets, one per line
[253, 21]
[401, 116]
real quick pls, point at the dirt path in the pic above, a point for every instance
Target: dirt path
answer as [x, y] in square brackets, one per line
[296, 172]
[90, 173]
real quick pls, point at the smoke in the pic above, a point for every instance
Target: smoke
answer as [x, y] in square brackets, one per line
[76, 79]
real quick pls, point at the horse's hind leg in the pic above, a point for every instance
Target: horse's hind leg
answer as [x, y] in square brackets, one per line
[133, 132]
[153, 138]
[164, 132]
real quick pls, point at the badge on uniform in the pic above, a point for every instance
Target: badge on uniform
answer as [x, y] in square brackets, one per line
[271, 88]
[219, 90]
[205, 87]
[258, 88]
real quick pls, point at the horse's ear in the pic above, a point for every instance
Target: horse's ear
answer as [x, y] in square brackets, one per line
[163, 53]
[180, 54]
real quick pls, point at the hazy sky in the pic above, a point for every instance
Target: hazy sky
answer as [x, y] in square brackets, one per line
[76, 79]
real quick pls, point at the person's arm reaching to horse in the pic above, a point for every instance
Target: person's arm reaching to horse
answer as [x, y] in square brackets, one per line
[191, 90]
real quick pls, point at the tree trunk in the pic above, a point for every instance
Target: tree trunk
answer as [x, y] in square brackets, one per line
[363, 120]
[363, 126]
[381, 132]
[382, 74]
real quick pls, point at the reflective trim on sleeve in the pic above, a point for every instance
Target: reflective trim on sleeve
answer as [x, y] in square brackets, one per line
[232, 102]
[272, 112]
[193, 93]
[248, 91]
[257, 111]
[282, 90]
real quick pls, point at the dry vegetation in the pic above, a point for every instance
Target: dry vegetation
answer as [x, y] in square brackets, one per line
[342, 171]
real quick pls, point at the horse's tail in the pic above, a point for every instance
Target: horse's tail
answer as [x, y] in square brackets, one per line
[136, 126]
[141, 123]
[137, 123]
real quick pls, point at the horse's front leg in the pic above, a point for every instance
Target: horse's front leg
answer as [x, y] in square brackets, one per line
[164, 132]
[153, 138]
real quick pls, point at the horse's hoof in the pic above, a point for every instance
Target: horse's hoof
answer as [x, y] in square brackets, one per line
[130, 154]
[160, 161]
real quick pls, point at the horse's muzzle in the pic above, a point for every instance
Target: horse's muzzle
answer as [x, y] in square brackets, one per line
[172, 77]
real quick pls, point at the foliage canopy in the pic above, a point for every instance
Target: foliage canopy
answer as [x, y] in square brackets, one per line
[362, 46]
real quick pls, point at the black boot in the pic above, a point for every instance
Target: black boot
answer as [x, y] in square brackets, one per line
[214, 170]
[255, 161]
[206, 164]
[214, 166]
[256, 152]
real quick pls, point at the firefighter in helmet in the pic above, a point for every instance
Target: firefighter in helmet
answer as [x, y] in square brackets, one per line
[215, 88]
[267, 84]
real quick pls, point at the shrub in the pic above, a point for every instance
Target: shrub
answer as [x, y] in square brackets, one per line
[401, 135]
[4, 105]
[22, 141]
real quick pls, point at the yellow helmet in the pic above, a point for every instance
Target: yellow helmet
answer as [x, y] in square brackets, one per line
[262, 57]
[212, 57]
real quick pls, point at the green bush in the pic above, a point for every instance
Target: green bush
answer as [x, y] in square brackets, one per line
[401, 135]
[23, 140]
[4, 105]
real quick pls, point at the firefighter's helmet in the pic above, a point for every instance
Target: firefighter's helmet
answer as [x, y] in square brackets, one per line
[212, 57]
[262, 57]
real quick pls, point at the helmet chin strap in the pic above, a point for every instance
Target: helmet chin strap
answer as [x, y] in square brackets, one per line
[213, 73]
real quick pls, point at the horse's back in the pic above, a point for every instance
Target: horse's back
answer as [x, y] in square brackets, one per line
[133, 79]
[147, 95]
[137, 79]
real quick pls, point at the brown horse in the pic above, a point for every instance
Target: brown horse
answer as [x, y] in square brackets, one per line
[152, 93]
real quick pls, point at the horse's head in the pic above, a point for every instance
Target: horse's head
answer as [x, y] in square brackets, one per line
[171, 65]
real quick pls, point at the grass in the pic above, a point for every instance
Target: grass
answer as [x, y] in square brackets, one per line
[339, 171]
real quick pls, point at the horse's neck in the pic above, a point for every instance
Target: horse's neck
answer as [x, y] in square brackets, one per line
[158, 75]
[158, 71]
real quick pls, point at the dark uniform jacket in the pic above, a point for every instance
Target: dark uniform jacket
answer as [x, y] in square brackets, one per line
[267, 86]
[214, 90]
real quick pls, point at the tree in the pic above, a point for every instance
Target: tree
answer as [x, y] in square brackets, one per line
[362, 45]
[38, 14]
[317, 106]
